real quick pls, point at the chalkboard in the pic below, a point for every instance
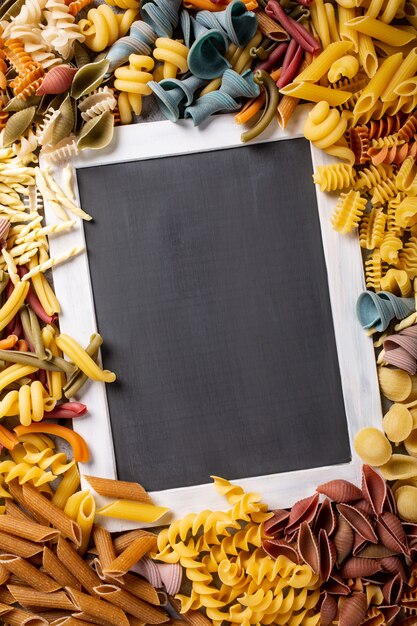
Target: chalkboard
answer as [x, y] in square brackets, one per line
[210, 288]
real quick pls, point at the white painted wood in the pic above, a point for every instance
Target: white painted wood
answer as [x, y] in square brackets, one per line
[346, 282]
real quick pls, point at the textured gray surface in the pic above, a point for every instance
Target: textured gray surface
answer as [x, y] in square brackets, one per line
[211, 291]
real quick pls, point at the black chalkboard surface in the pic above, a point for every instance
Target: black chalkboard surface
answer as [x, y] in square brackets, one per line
[210, 289]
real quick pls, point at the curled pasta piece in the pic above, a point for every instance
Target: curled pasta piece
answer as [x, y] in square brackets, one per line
[132, 81]
[382, 192]
[79, 446]
[324, 126]
[359, 143]
[389, 250]
[345, 67]
[25, 473]
[408, 258]
[406, 212]
[103, 26]
[371, 232]
[374, 269]
[409, 129]
[388, 140]
[79, 356]
[29, 403]
[97, 102]
[60, 31]
[388, 125]
[397, 281]
[406, 178]
[334, 177]
[371, 176]
[348, 212]
[395, 154]
[173, 54]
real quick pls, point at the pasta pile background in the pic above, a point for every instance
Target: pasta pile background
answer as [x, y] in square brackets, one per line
[70, 71]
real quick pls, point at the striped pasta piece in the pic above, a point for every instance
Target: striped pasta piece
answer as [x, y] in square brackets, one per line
[104, 546]
[315, 93]
[378, 30]
[97, 608]
[118, 489]
[133, 553]
[323, 62]
[75, 563]
[57, 570]
[372, 228]
[377, 84]
[347, 33]
[134, 511]
[131, 604]
[348, 212]
[367, 54]
[334, 177]
[28, 573]
[31, 598]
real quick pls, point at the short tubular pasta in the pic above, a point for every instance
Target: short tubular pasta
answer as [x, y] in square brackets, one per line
[334, 177]
[103, 26]
[367, 54]
[323, 62]
[397, 282]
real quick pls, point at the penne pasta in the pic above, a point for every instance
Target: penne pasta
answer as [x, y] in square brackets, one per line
[18, 617]
[323, 62]
[406, 71]
[118, 489]
[140, 588]
[347, 33]
[131, 604]
[374, 8]
[131, 555]
[331, 20]
[195, 618]
[98, 608]
[369, 96]
[345, 67]
[408, 88]
[316, 93]
[391, 9]
[28, 573]
[19, 547]
[74, 563]
[5, 596]
[31, 598]
[37, 503]
[85, 520]
[123, 541]
[367, 54]
[57, 570]
[319, 18]
[26, 529]
[4, 575]
[104, 545]
[380, 31]
[133, 511]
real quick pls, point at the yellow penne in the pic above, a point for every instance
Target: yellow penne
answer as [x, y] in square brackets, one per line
[377, 84]
[346, 32]
[323, 62]
[68, 485]
[406, 71]
[85, 520]
[134, 511]
[374, 8]
[383, 32]
[319, 19]
[407, 88]
[76, 353]
[316, 93]
[367, 55]
[390, 10]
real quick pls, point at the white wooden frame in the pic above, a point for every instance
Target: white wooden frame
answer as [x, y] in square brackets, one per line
[346, 282]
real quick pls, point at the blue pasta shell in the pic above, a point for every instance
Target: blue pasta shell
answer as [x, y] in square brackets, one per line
[139, 41]
[206, 56]
[239, 24]
[376, 310]
[161, 15]
[170, 93]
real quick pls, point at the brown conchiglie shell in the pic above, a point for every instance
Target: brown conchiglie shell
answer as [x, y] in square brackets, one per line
[390, 503]
[336, 586]
[390, 613]
[390, 532]
[410, 530]
[357, 567]
[327, 553]
[340, 491]
[353, 610]
[393, 565]
[325, 518]
[373, 617]
[359, 522]
[364, 507]
[343, 540]
[278, 547]
[358, 544]
[376, 551]
[393, 589]
[302, 511]
[374, 489]
[328, 610]
[57, 80]
[276, 524]
[308, 548]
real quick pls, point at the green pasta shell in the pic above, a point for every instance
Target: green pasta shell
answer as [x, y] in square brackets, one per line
[97, 132]
[88, 78]
[18, 104]
[17, 124]
[81, 57]
[65, 122]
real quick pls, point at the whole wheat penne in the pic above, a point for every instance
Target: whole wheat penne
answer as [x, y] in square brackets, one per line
[31, 598]
[89, 619]
[123, 541]
[17, 493]
[19, 547]
[27, 529]
[118, 489]
[5, 596]
[28, 573]
[4, 575]
[140, 588]
[104, 544]
[53, 616]
[98, 608]
[19, 617]
[131, 604]
[76, 564]
[135, 621]
[57, 570]
[195, 618]
[13, 509]
[37, 503]
[70, 621]
[131, 555]
[5, 608]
